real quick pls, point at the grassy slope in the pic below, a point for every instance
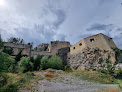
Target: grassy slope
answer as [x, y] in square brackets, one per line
[28, 79]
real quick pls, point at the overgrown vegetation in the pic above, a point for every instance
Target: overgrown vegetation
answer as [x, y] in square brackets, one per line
[10, 82]
[8, 50]
[16, 40]
[54, 62]
[14, 70]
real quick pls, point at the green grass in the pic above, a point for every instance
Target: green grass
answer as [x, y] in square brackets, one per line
[15, 81]
[94, 76]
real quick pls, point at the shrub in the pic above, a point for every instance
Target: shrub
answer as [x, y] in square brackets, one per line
[3, 80]
[25, 64]
[4, 62]
[55, 62]
[8, 50]
[44, 63]
[1, 44]
[18, 56]
[13, 64]
[37, 62]
[11, 88]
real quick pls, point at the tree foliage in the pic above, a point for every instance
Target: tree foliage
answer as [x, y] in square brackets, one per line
[25, 64]
[18, 56]
[54, 62]
[37, 62]
[16, 40]
[4, 62]
[44, 63]
[8, 50]
[1, 44]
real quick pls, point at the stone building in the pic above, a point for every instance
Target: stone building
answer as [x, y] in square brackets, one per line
[99, 40]
[26, 49]
[52, 48]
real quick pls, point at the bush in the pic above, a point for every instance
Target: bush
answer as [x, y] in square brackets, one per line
[18, 56]
[13, 64]
[3, 80]
[1, 44]
[10, 88]
[25, 64]
[44, 63]
[4, 62]
[55, 62]
[37, 62]
[8, 50]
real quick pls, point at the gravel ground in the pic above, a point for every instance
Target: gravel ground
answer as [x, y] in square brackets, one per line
[68, 83]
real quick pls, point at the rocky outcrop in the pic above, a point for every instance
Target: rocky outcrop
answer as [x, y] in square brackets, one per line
[91, 58]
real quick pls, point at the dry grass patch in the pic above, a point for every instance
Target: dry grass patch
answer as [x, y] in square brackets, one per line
[109, 90]
[94, 76]
[51, 75]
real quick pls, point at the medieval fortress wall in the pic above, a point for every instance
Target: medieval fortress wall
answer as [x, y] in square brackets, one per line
[95, 48]
[100, 41]
[56, 45]
[52, 48]
[26, 49]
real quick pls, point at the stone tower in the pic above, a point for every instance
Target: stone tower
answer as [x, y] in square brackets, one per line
[99, 40]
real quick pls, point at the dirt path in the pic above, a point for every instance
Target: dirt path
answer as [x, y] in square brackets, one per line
[68, 83]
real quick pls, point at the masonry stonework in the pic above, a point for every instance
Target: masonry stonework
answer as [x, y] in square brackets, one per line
[87, 53]
[100, 41]
[26, 49]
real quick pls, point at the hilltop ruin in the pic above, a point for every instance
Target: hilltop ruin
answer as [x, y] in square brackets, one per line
[87, 53]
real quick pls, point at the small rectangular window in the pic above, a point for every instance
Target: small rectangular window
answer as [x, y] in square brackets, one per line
[91, 40]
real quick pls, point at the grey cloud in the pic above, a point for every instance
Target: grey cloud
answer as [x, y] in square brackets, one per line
[61, 16]
[110, 30]
[39, 34]
[98, 26]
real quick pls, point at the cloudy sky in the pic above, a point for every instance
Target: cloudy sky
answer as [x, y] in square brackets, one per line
[42, 21]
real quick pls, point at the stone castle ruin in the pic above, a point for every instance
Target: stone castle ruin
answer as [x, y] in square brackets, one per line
[90, 52]
[26, 49]
[50, 49]
[100, 41]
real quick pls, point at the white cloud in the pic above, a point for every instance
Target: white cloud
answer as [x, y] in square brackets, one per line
[46, 20]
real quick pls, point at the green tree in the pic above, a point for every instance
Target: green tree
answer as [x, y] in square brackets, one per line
[16, 40]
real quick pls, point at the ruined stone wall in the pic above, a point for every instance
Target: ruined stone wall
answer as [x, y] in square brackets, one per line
[55, 45]
[26, 49]
[63, 53]
[42, 47]
[109, 41]
[100, 41]
[90, 58]
[97, 41]
[42, 53]
[77, 47]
